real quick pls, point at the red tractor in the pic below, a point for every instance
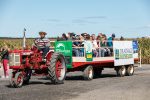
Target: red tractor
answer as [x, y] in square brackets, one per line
[24, 62]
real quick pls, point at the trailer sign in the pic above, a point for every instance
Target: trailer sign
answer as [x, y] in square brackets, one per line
[123, 53]
[65, 47]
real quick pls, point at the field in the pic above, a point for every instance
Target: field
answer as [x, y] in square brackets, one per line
[14, 43]
[144, 45]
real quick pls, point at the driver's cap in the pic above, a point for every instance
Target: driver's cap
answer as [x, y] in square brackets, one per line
[42, 33]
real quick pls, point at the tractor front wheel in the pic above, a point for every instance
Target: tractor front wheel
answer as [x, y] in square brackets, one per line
[57, 68]
[16, 79]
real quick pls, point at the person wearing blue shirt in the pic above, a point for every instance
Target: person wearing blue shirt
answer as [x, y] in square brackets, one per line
[110, 43]
[110, 40]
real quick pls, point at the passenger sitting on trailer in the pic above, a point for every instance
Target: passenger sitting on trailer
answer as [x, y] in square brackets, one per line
[110, 42]
[95, 46]
[43, 43]
[105, 51]
[88, 44]
[81, 39]
[75, 45]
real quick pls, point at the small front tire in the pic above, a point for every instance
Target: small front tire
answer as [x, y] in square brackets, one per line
[16, 80]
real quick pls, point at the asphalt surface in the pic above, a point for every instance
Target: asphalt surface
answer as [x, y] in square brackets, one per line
[107, 87]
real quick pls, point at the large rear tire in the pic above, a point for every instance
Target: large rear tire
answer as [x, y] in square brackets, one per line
[88, 73]
[130, 70]
[57, 68]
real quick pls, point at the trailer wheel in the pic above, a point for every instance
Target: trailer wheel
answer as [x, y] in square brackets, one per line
[121, 71]
[57, 68]
[88, 73]
[97, 73]
[130, 70]
[16, 80]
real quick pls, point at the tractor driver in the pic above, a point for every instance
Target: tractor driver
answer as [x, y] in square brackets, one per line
[43, 43]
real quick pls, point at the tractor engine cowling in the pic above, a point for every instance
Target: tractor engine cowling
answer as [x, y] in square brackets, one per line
[14, 60]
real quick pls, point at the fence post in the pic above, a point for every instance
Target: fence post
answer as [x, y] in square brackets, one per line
[140, 59]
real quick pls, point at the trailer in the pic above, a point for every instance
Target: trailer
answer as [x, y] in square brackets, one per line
[122, 59]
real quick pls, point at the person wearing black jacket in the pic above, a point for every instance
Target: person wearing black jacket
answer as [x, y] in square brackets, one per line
[5, 57]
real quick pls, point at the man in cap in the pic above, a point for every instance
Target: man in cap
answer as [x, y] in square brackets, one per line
[43, 43]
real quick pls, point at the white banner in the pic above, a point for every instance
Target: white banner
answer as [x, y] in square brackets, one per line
[123, 53]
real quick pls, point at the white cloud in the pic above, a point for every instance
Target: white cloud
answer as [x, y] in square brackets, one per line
[96, 17]
[81, 21]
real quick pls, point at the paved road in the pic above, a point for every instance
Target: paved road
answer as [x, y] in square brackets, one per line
[107, 87]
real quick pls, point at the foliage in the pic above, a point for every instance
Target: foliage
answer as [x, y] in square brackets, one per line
[144, 45]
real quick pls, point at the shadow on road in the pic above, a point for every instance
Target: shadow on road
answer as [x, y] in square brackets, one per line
[33, 83]
[68, 78]
[74, 78]
[82, 79]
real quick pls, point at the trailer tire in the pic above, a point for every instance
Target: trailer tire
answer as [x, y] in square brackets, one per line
[97, 73]
[130, 70]
[88, 73]
[121, 71]
[57, 68]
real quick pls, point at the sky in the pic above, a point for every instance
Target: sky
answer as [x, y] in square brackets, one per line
[127, 18]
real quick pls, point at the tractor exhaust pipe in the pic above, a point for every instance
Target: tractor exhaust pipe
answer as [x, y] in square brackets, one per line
[24, 39]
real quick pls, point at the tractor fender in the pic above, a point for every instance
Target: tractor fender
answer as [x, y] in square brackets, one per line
[49, 54]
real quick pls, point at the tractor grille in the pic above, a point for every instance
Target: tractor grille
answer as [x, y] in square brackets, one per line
[14, 59]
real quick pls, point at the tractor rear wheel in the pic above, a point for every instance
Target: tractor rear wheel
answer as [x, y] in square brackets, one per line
[57, 68]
